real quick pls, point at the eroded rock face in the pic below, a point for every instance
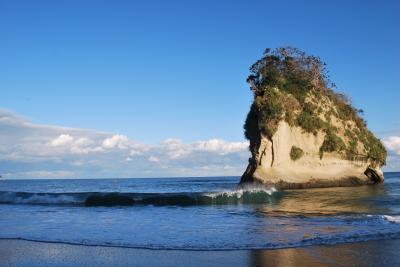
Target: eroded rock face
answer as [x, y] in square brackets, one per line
[302, 133]
[273, 165]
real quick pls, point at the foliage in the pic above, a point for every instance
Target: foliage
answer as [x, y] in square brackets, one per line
[351, 150]
[375, 149]
[296, 153]
[251, 129]
[309, 122]
[284, 81]
[331, 143]
[289, 69]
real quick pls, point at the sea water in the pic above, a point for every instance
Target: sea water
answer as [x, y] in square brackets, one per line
[210, 213]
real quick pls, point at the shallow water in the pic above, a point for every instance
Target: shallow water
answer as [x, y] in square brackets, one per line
[209, 213]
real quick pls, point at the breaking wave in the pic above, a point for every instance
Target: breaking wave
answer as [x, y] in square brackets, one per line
[392, 219]
[238, 196]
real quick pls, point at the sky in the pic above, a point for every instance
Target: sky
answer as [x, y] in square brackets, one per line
[158, 88]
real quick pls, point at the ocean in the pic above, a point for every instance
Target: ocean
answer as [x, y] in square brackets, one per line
[209, 213]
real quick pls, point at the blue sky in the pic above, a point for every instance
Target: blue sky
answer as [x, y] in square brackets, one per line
[155, 70]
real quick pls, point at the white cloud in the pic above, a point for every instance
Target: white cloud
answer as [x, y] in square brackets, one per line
[174, 148]
[134, 152]
[393, 143]
[83, 141]
[68, 144]
[43, 174]
[26, 147]
[84, 145]
[77, 163]
[221, 146]
[154, 159]
[119, 141]
[61, 140]
[122, 142]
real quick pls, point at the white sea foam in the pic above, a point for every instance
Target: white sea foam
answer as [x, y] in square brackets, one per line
[239, 192]
[38, 198]
[393, 219]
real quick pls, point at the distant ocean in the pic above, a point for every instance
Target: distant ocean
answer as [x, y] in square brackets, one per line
[209, 213]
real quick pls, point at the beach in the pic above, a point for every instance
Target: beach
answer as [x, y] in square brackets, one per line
[194, 221]
[199, 133]
[30, 253]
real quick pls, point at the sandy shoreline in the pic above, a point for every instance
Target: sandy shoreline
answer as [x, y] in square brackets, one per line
[28, 253]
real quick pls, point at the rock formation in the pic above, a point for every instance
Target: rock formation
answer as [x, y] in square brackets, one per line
[302, 134]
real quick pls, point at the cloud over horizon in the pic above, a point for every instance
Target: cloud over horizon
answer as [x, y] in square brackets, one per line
[29, 150]
[392, 143]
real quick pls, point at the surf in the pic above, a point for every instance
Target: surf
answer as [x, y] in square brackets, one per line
[92, 199]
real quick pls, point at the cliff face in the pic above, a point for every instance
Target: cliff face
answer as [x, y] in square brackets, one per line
[301, 133]
[272, 163]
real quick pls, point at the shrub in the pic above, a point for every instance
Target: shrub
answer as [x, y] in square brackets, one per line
[331, 143]
[351, 150]
[251, 130]
[309, 122]
[375, 149]
[296, 153]
[270, 106]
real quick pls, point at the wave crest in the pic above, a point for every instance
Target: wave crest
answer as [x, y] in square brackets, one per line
[241, 192]
[252, 195]
[392, 219]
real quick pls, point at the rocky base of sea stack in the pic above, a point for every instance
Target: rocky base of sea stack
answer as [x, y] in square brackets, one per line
[271, 163]
[370, 176]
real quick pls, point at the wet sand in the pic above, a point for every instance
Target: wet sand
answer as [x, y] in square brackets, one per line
[28, 253]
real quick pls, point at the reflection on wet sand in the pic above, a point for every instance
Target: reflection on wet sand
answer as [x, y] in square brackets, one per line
[28, 253]
[372, 253]
[325, 201]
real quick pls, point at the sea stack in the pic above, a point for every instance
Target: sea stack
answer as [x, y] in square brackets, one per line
[302, 133]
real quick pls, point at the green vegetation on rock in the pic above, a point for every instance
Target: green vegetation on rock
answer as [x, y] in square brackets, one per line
[296, 153]
[292, 86]
[331, 143]
[308, 120]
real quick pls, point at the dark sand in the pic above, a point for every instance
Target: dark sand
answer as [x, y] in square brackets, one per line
[28, 253]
